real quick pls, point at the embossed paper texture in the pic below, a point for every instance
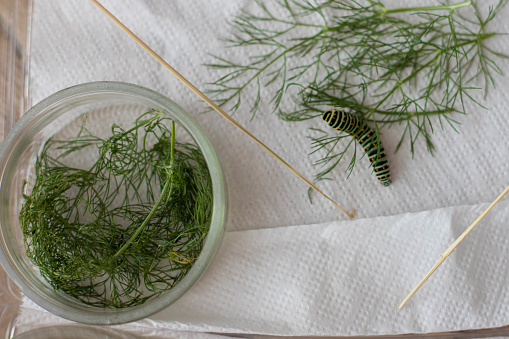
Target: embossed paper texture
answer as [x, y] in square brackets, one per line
[287, 266]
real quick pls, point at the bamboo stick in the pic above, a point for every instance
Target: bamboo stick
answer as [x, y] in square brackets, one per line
[452, 248]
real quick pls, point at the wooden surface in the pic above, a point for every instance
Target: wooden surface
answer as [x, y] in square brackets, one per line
[15, 16]
[14, 47]
[14, 101]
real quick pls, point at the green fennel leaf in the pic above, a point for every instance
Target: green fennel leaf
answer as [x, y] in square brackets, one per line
[127, 228]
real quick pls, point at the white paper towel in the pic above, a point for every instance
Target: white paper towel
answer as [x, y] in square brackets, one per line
[347, 277]
[336, 278]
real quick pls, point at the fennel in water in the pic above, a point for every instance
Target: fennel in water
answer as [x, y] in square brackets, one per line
[129, 227]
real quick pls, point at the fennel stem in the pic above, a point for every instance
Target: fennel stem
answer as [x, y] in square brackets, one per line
[167, 185]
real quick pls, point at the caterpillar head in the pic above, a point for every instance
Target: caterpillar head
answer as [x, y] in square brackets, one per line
[331, 116]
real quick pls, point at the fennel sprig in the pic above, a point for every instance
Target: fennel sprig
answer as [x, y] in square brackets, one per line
[413, 67]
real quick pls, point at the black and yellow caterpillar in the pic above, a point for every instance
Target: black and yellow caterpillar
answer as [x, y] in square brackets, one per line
[349, 123]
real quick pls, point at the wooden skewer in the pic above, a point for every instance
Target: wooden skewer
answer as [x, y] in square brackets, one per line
[214, 105]
[452, 248]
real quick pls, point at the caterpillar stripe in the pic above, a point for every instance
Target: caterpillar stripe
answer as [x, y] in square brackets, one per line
[366, 137]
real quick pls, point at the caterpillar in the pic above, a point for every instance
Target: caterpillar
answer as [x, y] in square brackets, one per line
[366, 137]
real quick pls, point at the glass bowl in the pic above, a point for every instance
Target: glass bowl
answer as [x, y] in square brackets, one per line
[101, 104]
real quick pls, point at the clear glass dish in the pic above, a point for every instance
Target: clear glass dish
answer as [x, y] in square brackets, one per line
[103, 103]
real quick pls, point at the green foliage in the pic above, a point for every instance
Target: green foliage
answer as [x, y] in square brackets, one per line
[413, 67]
[104, 235]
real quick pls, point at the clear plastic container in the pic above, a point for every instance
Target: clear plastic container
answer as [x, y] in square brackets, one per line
[103, 103]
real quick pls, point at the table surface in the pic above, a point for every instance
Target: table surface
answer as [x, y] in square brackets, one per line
[13, 102]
